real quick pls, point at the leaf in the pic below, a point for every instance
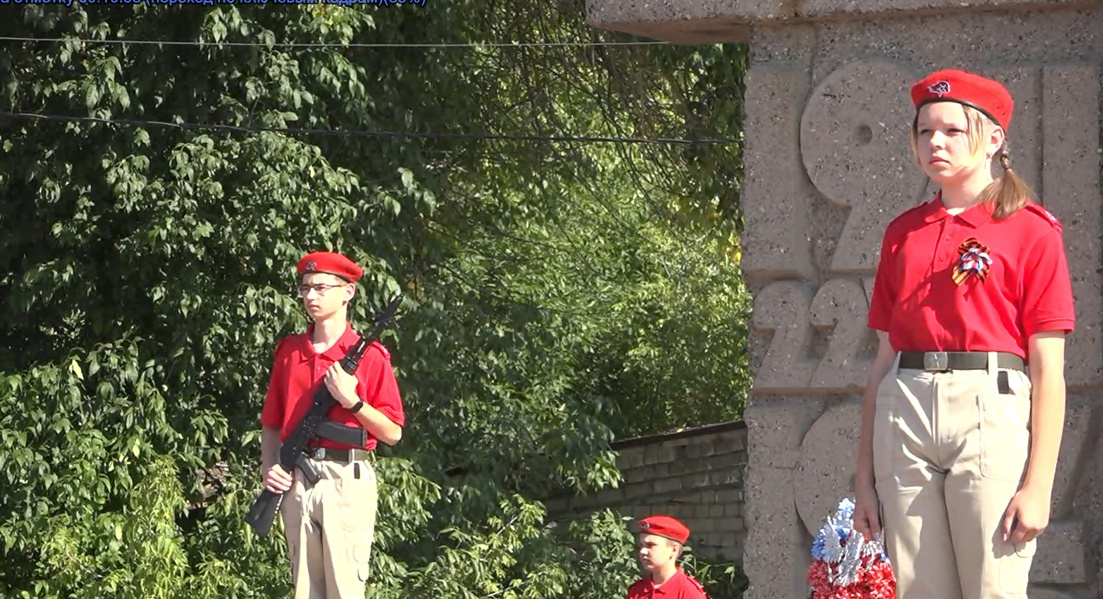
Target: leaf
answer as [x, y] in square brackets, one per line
[75, 369]
[91, 95]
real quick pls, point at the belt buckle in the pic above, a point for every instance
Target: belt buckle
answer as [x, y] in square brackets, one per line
[936, 360]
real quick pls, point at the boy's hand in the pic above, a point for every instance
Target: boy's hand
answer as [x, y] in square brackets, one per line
[278, 480]
[342, 385]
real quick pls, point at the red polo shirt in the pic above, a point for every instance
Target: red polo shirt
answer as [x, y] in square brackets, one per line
[298, 371]
[680, 586]
[1026, 290]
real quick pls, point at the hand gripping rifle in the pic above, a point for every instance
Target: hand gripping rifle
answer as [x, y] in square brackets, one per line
[316, 423]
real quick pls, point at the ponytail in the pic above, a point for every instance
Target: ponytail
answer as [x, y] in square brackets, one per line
[1009, 193]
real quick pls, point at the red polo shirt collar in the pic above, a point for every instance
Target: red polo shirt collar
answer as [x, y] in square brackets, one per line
[679, 586]
[974, 216]
[336, 352]
[671, 587]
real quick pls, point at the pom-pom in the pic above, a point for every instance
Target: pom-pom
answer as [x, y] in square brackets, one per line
[847, 565]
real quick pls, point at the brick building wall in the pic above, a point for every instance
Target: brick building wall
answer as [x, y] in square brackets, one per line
[695, 475]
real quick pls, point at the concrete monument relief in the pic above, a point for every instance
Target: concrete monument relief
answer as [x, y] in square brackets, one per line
[827, 167]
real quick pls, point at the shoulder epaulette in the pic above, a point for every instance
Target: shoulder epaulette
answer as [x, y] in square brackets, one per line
[381, 348]
[1042, 212]
[283, 342]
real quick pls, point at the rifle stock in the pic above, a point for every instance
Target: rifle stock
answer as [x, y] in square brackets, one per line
[262, 513]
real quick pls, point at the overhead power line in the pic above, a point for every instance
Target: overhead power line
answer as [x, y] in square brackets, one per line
[141, 42]
[370, 132]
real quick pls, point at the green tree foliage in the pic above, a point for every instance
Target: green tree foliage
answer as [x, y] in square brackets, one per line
[560, 293]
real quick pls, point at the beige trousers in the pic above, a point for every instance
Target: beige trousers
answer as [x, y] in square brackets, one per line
[329, 529]
[949, 452]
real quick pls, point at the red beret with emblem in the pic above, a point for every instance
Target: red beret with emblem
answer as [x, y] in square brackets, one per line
[330, 263]
[665, 526]
[951, 85]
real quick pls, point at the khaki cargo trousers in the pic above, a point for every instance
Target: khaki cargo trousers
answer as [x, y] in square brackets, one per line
[949, 452]
[329, 528]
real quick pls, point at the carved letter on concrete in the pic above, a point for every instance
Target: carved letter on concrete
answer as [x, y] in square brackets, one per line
[854, 142]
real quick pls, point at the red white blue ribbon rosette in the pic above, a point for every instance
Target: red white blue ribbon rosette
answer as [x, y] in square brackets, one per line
[846, 564]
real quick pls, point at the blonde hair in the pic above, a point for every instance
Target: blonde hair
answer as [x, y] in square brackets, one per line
[1009, 193]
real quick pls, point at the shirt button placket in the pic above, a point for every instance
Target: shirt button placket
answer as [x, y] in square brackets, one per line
[947, 245]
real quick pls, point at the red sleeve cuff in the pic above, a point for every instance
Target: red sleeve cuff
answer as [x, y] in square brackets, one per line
[878, 322]
[396, 416]
[1067, 325]
[270, 421]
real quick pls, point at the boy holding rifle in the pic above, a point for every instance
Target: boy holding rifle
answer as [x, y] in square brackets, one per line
[329, 523]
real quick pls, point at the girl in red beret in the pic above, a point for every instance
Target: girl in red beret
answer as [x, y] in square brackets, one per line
[964, 406]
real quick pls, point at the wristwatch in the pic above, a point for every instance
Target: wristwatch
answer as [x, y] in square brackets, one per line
[356, 407]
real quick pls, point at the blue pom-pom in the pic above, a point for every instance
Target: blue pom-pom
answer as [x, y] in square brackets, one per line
[844, 534]
[846, 509]
[818, 552]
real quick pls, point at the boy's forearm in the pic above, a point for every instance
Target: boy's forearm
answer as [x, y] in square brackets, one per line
[379, 425]
[269, 447]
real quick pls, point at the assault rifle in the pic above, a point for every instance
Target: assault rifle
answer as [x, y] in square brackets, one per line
[316, 423]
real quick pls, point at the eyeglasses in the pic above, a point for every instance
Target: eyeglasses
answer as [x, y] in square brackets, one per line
[319, 288]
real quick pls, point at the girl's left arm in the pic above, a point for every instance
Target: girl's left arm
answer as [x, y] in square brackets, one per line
[1047, 408]
[1028, 514]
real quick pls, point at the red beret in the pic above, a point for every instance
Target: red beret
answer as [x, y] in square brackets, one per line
[665, 526]
[331, 263]
[988, 96]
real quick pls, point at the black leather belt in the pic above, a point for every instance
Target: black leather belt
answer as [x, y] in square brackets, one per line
[958, 360]
[337, 455]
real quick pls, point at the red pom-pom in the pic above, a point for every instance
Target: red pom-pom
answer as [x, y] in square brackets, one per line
[875, 582]
[817, 578]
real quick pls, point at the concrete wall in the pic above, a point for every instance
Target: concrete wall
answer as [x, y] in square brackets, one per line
[694, 475]
[826, 167]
